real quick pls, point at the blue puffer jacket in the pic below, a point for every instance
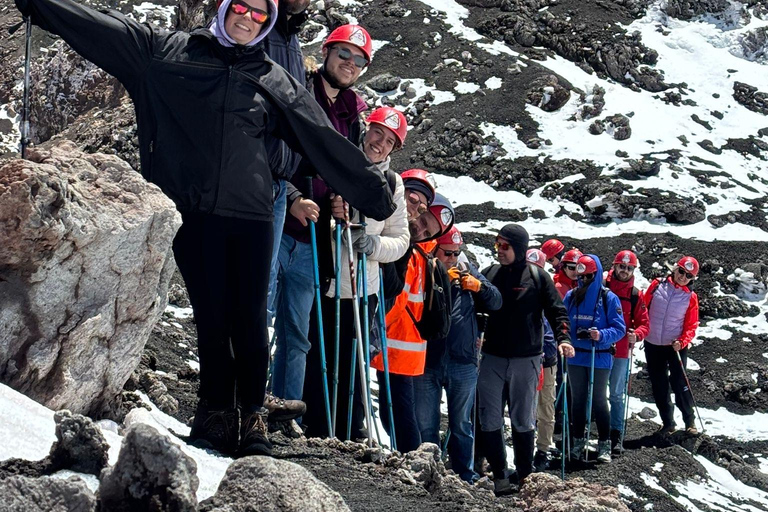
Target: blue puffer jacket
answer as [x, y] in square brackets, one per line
[460, 345]
[592, 313]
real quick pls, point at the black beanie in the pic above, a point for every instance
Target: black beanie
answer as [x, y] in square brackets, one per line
[419, 186]
[517, 237]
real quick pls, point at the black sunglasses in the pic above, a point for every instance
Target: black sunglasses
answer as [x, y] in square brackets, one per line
[682, 272]
[569, 266]
[451, 253]
[346, 54]
[628, 268]
[587, 277]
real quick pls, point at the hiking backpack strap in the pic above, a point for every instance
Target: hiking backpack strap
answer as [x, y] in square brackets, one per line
[490, 272]
[391, 180]
[634, 298]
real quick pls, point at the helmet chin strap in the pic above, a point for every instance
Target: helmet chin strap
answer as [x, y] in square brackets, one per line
[328, 78]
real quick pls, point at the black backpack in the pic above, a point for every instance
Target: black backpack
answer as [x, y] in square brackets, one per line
[435, 321]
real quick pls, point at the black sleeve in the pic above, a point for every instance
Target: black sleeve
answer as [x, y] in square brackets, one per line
[119, 45]
[303, 125]
[394, 275]
[554, 310]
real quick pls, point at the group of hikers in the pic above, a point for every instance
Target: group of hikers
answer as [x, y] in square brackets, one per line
[292, 217]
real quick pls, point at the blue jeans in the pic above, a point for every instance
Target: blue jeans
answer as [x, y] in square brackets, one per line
[460, 382]
[617, 385]
[278, 208]
[295, 296]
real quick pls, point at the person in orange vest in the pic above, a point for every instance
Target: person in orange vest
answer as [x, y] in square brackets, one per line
[406, 348]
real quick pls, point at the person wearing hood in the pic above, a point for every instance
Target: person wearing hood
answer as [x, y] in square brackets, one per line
[406, 347]
[596, 321]
[452, 361]
[206, 104]
[621, 281]
[565, 277]
[511, 353]
[346, 51]
[673, 310]
[382, 242]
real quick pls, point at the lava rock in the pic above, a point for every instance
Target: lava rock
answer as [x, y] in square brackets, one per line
[725, 307]
[647, 413]
[710, 146]
[384, 82]
[46, 494]
[687, 9]
[544, 492]
[271, 485]
[618, 127]
[750, 97]
[547, 93]
[80, 445]
[151, 473]
[597, 127]
[425, 467]
[158, 392]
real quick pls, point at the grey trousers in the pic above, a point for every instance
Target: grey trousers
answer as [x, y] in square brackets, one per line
[522, 376]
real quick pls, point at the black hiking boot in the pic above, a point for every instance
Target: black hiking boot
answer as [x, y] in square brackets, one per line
[616, 445]
[215, 429]
[540, 461]
[666, 429]
[281, 409]
[253, 434]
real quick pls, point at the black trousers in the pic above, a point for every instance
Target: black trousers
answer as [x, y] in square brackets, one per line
[407, 433]
[315, 419]
[664, 370]
[578, 377]
[225, 265]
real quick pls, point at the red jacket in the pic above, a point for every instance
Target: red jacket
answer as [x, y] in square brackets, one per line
[661, 329]
[637, 319]
[563, 283]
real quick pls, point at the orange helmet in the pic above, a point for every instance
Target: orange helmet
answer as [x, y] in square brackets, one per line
[689, 264]
[392, 119]
[354, 35]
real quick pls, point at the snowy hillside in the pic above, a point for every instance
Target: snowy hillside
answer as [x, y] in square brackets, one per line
[610, 124]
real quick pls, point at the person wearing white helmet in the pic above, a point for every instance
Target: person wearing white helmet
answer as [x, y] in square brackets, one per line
[206, 104]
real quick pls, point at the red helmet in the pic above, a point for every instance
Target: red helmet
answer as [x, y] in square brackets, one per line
[537, 257]
[443, 211]
[354, 35]
[393, 119]
[420, 180]
[689, 264]
[572, 256]
[552, 247]
[625, 257]
[586, 265]
[452, 237]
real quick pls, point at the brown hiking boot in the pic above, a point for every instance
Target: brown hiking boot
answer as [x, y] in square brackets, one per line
[281, 409]
[215, 429]
[691, 429]
[666, 429]
[253, 434]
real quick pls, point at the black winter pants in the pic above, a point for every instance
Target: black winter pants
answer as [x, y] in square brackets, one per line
[664, 370]
[578, 381]
[225, 265]
[407, 432]
[315, 418]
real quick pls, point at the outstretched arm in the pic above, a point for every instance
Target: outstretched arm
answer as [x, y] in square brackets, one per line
[119, 45]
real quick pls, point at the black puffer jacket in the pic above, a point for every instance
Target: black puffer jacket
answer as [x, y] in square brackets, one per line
[204, 112]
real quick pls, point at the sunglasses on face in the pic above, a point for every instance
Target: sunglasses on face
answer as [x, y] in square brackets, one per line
[257, 15]
[587, 277]
[570, 266]
[413, 198]
[451, 253]
[502, 246]
[627, 268]
[346, 54]
[682, 272]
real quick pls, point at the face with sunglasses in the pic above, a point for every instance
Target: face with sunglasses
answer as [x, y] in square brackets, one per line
[504, 252]
[569, 269]
[448, 254]
[623, 272]
[344, 62]
[245, 19]
[682, 277]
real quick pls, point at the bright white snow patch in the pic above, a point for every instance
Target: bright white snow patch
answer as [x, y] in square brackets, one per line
[466, 87]
[493, 83]
[27, 430]
[179, 312]
[166, 12]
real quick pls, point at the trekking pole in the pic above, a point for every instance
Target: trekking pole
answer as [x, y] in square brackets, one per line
[626, 393]
[444, 451]
[316, 272]
[25, 110]
[385, 359]
[566, 427]
[482, 323]
[271, 375]
[688, 383]
[589, 400]
[363, 283]
[358, 332]
[337, 326]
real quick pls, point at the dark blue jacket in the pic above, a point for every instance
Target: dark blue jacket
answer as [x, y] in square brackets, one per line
[550, 346]
[282, 46]
[592, 313]
[460, 345]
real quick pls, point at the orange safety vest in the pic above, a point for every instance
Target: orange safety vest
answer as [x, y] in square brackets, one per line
[406, 350]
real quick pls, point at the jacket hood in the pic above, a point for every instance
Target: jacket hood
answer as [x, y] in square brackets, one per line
[218, 30]
[589, 304]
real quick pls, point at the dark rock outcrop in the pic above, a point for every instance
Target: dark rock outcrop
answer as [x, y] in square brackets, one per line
[750, 97]
[46, 494]
[80, 445]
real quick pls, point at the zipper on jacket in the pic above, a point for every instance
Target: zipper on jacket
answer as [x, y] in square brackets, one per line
[223, 140]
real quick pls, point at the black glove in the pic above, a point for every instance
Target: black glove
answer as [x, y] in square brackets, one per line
[361, 242]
